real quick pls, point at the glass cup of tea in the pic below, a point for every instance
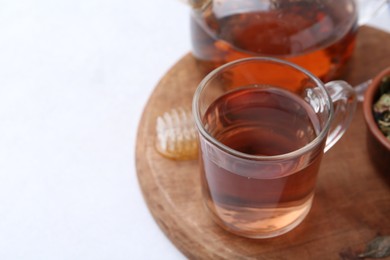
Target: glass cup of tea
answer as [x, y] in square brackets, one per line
[263, 125]
[318, 35]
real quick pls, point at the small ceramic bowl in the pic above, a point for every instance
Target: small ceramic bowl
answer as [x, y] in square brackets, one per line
[378, 145]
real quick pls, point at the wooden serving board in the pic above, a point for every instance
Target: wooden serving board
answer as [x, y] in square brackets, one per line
[352, 201]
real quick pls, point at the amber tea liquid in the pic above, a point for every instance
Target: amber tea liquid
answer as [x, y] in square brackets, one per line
[317, 35]
[260, 121]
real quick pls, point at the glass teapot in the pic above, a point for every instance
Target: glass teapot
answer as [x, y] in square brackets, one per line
[318, 35]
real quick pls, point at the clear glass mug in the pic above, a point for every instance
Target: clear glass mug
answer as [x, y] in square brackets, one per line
[263, 126]
[318, 35]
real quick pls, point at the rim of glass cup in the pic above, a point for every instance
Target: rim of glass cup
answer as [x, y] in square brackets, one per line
[295, 153]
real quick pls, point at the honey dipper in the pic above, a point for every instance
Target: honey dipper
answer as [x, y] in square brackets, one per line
[176, 136]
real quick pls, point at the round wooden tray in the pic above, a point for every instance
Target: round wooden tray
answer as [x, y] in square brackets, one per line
[352, 201]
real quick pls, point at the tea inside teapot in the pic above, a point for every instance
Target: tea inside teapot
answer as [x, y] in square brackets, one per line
[318, 35]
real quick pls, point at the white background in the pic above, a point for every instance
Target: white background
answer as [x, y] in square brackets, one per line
[74, 78]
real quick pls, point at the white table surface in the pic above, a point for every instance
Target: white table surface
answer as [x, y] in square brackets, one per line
[74, 78]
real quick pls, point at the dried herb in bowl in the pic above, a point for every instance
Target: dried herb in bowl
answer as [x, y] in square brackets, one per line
[381, 108]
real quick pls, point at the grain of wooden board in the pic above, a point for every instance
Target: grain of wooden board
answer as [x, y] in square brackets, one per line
[352, 201]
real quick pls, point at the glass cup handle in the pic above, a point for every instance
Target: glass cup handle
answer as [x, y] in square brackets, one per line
[344, 103]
